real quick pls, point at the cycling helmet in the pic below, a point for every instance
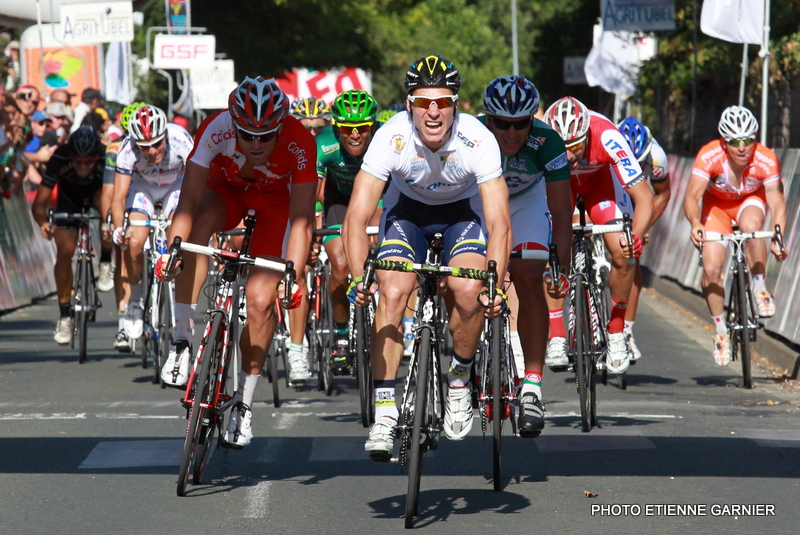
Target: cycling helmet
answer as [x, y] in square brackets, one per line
[432, 71]
[354, 106]
[148, 124]
[737, 122]
[258, 103]
[84, 143]
[311, 108]
[511, 96]
[385, 115]
[569, 117]
[638, 137]
[127, 113]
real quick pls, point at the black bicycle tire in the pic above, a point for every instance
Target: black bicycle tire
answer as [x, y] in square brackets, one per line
[581, 351]
[161, 353]
[420, 410]
[498, 410]
[146, 333]
[200, 391]
[364, 366]
[327, 333]
[207, 432]
[82, 317]
[743, 317]
[272, 363]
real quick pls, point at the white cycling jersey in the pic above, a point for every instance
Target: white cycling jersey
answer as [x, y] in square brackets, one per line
[471, 156]
[131, 161]
[656, 166]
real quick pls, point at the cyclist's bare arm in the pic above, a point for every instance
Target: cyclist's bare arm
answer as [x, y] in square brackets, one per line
[194, 188]
[367, 191]
[663, 192]
[691, 206]
[777, 208]
[560, 205]
[643, 199]
[39, 210]
[301, 218]
[122, 183]
[494, 194]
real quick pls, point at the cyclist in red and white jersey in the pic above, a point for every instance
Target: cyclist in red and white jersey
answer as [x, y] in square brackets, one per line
[252, 155]
[605, 173]
[736, 178]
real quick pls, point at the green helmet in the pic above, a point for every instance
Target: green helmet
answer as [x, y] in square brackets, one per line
[385, 115]
[354, 106]
[127, 113]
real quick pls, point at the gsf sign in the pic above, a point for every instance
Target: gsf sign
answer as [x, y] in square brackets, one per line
[184, 51]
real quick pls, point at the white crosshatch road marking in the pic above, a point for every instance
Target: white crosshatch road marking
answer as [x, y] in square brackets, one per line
[134, 454]
[772, 438]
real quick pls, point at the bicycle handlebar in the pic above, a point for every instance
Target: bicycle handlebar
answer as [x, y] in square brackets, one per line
[149, 223]
[598, 229]
[371, 231]
[67, 216]
[409, 267]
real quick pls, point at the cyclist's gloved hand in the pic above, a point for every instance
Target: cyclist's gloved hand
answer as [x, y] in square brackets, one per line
[352, 290]
[500, 302]
[636, 248]
[160, 268]
[563, 284]
[117, 237]
[294, 299]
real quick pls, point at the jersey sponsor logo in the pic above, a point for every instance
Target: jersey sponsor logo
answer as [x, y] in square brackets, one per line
[604, 205]
[513, 181]
[219, 137]
[432, 187]
[536, 142]
[398, 142]
[517, 163]
[624, 158]
[467, 142]
[327, 149]
[451, 164]
[295, 149]
[559, 162]
[419, 164]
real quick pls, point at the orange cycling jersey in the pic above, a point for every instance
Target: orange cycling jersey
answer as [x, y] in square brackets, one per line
[712, 165]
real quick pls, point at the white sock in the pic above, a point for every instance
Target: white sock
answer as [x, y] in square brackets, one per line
[628, 327]
[247, 387]
[407, 324]
[759, 283]
[385, 404]
[121, 319]
[184, 321]
[458, 375]
[719, 324]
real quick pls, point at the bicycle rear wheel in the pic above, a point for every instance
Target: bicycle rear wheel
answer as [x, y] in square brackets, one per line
[82, 300]
[419, 419]
[147, 332]
[201, 393]
[364, 366]
[743, 309]
[498, 407]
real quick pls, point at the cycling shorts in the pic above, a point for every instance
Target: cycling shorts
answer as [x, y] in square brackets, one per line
[604, 197]
[142, 197]
[272, 214]
[71, 198]
[530, 222]
[718, 213]
[334, 218]
[407, 227]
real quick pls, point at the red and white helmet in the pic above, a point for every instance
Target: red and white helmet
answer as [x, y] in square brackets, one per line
[258, 103]
[569, 117]
[147, 125]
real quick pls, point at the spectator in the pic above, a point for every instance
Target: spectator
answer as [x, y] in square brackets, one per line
[115, 131]
[65, 98]
[91, 99]
[12, 66]
[27, 97]
[59, 120]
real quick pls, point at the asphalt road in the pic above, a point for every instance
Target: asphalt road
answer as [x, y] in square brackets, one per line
[95, 448]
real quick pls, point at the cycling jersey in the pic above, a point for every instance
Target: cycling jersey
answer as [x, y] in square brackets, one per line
[72, 189]
[335, 164]
[112, 151]
[292, 160]
[656, 166]
[131, 161]
[712, 166]
[469, 157]
[606, 147]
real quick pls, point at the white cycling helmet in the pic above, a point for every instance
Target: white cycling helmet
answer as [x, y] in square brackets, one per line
[569, 117]
[147, 125]
[737, 122]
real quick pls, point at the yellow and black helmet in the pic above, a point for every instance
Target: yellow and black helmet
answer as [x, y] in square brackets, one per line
[432, 71]
[310, 108]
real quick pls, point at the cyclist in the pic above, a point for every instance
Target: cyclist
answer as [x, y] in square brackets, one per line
[340, 151]
[608, 177]
[150, 167]
[313, 113]
[77, 168]
[249, 156]
[736, 178]
[446, 176]
[121, 292]
[537, 174]
[655, 166]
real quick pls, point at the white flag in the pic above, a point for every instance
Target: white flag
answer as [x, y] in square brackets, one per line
[117, 79]
[613, 63]
[736, 21]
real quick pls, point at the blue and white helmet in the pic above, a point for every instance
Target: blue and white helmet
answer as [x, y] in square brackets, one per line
[638, 137]
[511, 96]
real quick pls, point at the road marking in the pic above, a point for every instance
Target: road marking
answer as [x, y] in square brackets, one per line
[609, 438]
[134, 454]
[257, 499]
[772, 438]
[614, 415]
[134, 416]
[42, 416]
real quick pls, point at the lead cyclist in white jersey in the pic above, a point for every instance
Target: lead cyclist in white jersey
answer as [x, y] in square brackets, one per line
[150, 167]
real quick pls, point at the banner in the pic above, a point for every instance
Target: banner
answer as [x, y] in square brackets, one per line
[638, 15]
[614, 60]
[301, 83]
[118, 82]
[735, 21]
[178, 15]
[96, 23]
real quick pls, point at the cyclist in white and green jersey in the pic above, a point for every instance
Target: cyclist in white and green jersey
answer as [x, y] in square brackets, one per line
[537, 173]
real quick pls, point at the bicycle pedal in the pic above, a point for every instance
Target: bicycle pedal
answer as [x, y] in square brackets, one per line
[559, 369]
[382, 457]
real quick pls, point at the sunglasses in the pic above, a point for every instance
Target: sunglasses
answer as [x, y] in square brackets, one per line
[574, 146]
[40, 123]
[519, 126]
[26, 96]
[153, 145]
[250, 136]
[83, 161]
[350, 129]
[315, 128]
[420, 101]
[740, 142]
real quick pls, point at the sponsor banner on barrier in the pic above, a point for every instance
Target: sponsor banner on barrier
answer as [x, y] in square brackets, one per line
[301, 83]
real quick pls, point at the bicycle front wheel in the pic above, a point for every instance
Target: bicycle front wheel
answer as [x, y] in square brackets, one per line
[82, 300]
[743, 318]
[419, 419]
[498, 408]
[582, 339]
[161, 353]
[364, 366]
[202, 392]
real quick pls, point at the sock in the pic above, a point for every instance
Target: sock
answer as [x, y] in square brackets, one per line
[105, 256]
[628, 327]
[532, 383]
[617, 321]
[297, 348]
[64, 309]
[407, 324]
[184, 321]
[458, 375]
[136, 294]
[247, 387]
[759, 283]
[557, 323]
[719, 324]
[385, 404]
[342, 330]
[121, 319]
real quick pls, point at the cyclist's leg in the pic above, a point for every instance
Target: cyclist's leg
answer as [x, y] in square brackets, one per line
[633, 305]
[65, 239]
[750, 219]
[716, 218]
[140, 203]
[106, 245]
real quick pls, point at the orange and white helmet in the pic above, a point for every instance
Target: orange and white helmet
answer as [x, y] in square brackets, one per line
[569, 117]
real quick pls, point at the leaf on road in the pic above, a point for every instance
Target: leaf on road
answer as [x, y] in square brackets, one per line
[590, 494]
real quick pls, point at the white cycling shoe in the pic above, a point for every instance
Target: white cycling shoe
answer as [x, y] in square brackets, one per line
[618, 358]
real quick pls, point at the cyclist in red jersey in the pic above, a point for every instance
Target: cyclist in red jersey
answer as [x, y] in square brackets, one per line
[606, 174]
[736, 178]
[252, 155]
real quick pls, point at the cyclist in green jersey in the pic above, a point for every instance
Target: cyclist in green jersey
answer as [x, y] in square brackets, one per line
[340, 150]
[536, 171]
